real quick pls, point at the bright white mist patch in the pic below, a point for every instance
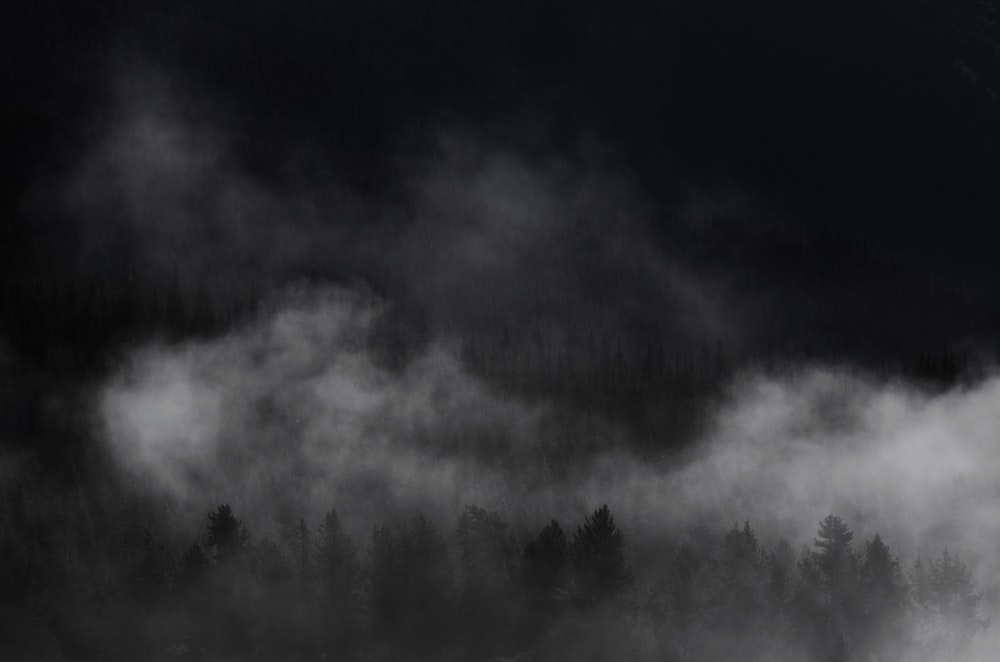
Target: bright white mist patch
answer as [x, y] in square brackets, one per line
[165, 417]
[293, 414]
[923, 470]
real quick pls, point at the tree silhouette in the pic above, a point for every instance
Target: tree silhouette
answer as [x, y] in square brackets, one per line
[883, 601]
[835, 559]
[598, 558]
[301, 545]
[226, 536]
[153, 570]
[544, 561]
[920, 584]
[833, 572]
[488, 566]
[428, 577]
[410, 580]
[740, 591]
[486, 548]
[338, 575]
[951, 608]
[194, 563]
[269, 564]
[384, 578]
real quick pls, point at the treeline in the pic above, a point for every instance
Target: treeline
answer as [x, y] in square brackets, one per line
[69, 325]
[475, 591]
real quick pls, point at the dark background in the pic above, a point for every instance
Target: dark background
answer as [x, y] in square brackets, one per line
[861, 139]
[609, 213]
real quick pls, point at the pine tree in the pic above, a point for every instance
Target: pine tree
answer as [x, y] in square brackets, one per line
[384, 578]
[954, 600]
[544, 561]
[488, 566]
[226, 535]
[486, 549]
[410, 582]
[194, 564]
[884, 601]
[336, 565]
[920, 584]
[301, 546]
[741, 550]
[740, 597]
[153, 570]
[598, 557]
[880, 569]
[836, 564]
[780, 564]
[269, 564]
[836, 558]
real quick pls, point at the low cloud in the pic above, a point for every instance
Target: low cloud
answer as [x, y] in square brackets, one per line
[472, 234]
[918, 467]
[295, 411]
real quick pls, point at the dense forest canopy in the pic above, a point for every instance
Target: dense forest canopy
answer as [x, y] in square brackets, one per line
[328, 330]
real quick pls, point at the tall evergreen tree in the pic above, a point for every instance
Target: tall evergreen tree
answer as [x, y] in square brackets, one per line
[953, 605]
[152, 571]
[339, 579]
[598, 558]
[410, 582]
[227, 537]
[835, 557]
[544, 561]
[836, 565]
[194, 563]
[427, 570]
[920, 584]
[488, 566]
[384, 578]
[269, 564]
[336, 564]
[740, 594]
[883, 601]
[487, 553]
[301, 545]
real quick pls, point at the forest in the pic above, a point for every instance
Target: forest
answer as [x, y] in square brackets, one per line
[499, 330]
[474, 590]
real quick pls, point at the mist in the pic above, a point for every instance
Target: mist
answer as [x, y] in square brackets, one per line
[500, 331]
[295, 410]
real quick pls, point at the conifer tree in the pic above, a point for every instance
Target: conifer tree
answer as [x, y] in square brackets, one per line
[883, 601]
[953, 602]
[194, 563]
[740, 595]
[227, 537]
[336, 564]
[153, 571]
[488, 564]
[598, 557]
[269, 564]
[301, 545]
[835, 557]
[544, 560]
[839, 584]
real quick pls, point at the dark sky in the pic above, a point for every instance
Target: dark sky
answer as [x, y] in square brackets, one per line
[768, 174]
[704, 261]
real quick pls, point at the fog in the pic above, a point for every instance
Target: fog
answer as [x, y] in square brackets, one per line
[405, 285]
[293, 411]
[470, 232]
